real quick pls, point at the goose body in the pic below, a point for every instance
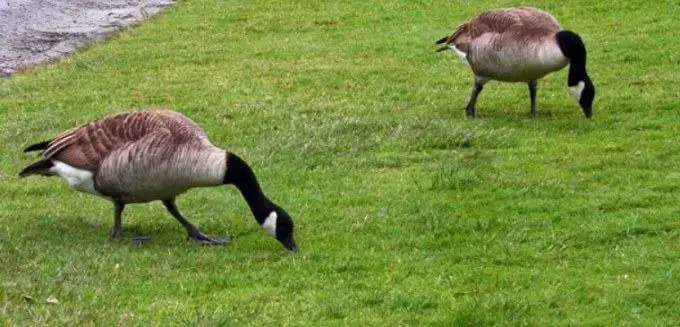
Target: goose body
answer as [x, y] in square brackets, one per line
[145, 156]
[520, 45]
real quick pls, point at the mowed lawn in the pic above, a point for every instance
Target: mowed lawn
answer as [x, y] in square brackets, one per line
[407, 213]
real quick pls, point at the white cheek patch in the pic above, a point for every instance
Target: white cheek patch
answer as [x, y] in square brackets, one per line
[79, 179]
[577, 89]
[269, 224]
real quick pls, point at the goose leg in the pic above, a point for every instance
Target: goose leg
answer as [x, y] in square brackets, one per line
[532, 95]
[192, 230]
[117, 232]
[476, 89]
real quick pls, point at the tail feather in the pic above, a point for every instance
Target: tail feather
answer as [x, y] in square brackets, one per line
[38, 146]
[41, 167]
[442, 40]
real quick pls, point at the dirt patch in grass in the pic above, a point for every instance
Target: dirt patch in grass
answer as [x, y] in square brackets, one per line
[32, 31]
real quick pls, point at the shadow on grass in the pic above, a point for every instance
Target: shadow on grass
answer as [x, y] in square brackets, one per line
[79, 231]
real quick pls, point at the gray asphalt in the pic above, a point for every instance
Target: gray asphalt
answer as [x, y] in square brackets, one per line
[32, 31]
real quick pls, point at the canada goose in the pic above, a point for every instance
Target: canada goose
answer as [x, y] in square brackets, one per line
[137, 157]
[520, 45]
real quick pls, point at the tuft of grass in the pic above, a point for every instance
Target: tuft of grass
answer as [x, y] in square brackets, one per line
[407, 213]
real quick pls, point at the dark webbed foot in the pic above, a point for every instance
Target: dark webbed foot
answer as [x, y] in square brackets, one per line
[140, 240]
[208, 240]
[193, 232]
[470, 112]
[117, 234]
[476, 90]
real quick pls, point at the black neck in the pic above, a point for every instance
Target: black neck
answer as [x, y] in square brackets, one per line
[577, 72]
[241, 175]
[573, 48]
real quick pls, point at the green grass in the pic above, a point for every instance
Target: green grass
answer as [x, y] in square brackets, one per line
[406, 212]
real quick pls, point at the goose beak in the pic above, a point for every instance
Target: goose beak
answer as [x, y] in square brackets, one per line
[289, 244]
[588, 112]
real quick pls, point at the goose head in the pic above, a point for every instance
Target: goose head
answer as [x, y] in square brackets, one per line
[271, 217]
[578, 81]
[584, 92]
[279, 225]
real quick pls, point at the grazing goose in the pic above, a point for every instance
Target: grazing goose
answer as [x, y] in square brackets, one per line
[520, 45]
[138, 157]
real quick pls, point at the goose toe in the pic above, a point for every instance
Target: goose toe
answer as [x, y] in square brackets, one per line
[209, 240]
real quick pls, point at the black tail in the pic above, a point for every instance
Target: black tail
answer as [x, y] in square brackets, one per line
[442, 40]
[41, 167]
[38, 146]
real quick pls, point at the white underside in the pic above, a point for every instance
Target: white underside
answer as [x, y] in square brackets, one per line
[269, 224]
[79, 179]
[462, 55]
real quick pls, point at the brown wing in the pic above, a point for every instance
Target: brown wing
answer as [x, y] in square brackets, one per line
[527, 22]
[85, 147]
[160, 165]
